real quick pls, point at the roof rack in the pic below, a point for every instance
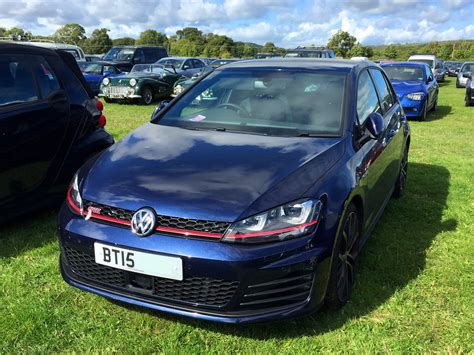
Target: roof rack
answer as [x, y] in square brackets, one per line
[312, 47]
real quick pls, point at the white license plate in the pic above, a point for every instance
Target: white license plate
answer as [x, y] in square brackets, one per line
[116, 96]
[136, 261]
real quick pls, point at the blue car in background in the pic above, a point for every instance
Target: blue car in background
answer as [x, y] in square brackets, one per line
[247, 198]
[95, 72]
[415, 86]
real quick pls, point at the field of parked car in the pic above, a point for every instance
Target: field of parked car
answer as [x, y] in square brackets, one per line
[413, 291]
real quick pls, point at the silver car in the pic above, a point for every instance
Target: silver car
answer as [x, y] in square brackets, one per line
[461, 81]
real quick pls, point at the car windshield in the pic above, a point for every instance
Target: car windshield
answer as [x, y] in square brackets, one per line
[91, 68]
[424, 61]
[263, 101]
[404, 73]
[119, 54]
[148, 68]
[176, 62]
[467, 67]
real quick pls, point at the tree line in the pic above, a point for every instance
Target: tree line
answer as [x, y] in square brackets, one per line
[190, 41]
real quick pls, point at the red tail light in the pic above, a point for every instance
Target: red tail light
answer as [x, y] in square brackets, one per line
[99, 105]
[102, 121]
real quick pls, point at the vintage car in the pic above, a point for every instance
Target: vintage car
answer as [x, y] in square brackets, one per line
[184, 82]
[95, 72]
[145, 83]
[183, 65]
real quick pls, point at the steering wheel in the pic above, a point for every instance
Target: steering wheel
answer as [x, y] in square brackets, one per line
[234, 107]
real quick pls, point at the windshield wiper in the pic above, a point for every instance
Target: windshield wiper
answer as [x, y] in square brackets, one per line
[307, 134]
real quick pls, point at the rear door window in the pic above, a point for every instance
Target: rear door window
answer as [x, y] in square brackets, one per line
[16, 80]
[367, 100]
[151, 55]
[386, 98]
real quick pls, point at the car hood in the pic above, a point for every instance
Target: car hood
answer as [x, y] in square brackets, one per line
[210, 175]
[406, 87]
[94, 78]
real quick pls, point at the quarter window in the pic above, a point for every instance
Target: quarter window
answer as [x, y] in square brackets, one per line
[367, 100]
[385, 95]
[16, 81]
[47, 80]
[197, 63]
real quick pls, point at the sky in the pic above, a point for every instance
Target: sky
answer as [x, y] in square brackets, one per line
[287, 23]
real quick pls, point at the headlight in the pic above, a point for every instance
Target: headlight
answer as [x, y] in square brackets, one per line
[106, 81]
[284, 222]
[74, 197]
[416, 96]
[178, 89]
[133, 82]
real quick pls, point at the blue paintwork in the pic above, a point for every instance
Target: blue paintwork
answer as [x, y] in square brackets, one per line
[225, 176]
[94, 80]
[403, 88]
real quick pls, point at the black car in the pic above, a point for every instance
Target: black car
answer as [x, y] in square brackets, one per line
[469, 98]
[125, 57]
[50, 123]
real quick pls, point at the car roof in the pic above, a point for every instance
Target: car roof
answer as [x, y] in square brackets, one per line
[407, 64]
[25, 48]
[134, 46]
[345, 65]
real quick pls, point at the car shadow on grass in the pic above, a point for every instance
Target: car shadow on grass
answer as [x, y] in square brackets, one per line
[393, 256]
[29, 231]
[441, 112]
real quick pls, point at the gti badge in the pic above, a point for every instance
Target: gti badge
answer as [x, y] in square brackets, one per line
[143, 222]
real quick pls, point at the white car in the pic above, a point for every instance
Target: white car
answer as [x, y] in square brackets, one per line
[461, 81]
[76, 51]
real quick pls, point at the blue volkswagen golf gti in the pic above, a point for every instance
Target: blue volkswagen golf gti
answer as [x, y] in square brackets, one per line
[247, 198]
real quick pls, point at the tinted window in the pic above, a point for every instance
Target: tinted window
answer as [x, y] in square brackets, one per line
[266, 101]
[404, 73]
[197, 63]
[187, 64]
[139, 55]
[74, 88]
[151, 54]
[367, 100]
[47, 80]
[16, 80]
[383, 89]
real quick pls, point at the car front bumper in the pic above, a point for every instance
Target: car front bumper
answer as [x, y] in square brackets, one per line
[119, 93]
[412, 108]
[222, 282]
[462, 81]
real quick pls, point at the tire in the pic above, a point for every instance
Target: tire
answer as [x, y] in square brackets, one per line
[343, 267]
[400, 184]
[435, 105]
[107, 100]
[147, 96]
[423, 115]
[457, 84]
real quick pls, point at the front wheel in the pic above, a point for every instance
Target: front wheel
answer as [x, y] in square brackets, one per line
[423, 112]
[107, 100]
[343, 267]
[147, 96]
[435, 105]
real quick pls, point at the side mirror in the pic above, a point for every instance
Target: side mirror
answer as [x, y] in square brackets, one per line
[186, 67]
[467, 75]
[159, 108]
[430, 78]
[374, 125]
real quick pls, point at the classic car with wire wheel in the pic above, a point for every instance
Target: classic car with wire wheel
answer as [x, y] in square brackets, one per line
[252, 205]
[415, 86]
[145, 84]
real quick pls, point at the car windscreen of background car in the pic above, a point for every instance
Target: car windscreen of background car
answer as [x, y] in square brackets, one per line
[406, 73]
[467, 68]
[273, 102]
[175, 62]
[92, 68]
[119, 54]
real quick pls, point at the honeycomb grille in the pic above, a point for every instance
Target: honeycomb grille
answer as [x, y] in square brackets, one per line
[85, 266]
[187, 224]
[197, 290]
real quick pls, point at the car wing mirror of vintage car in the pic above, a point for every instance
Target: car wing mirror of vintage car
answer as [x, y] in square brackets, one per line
[467, 74]
[374, 125]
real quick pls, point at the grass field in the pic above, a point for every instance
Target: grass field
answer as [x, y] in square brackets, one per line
[414, 291]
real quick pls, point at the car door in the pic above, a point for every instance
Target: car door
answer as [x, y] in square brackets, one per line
[431, 87]
[197, 66]
[187, 68]
[393, 138]
[373, 158]
[34, 113]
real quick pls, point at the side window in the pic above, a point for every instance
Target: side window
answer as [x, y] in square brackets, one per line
[367, 100]
[110, 69]
[151, 54]
[74, 87]
[139, 55]
[47, 80]
[187, 64]
[16, 80]
[383, 89]
[197, 63]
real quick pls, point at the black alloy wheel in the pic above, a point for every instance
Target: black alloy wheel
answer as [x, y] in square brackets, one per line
[401, 183]
[147, 96]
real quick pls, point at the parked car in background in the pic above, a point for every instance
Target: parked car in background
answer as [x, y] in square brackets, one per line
[310, 52]
[452, 67]
[186, 66]
[251, 206]
[415, 86]
[266, 55]
[461, 80]
[469, 98]
[125, 57]
[145, 83]
[432, 61]
[219, 62]
[439, 71]
[95, 72]
[184, 82]
[50, 124]
[76, 51]
[93, 57]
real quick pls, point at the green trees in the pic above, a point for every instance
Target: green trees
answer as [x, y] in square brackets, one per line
[341, 43]
[391, 52]
[360, 51]
[123, 41]
[152, 38]
[98, 42]
[71, 33]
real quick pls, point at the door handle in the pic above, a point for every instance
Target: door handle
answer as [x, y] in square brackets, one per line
[392, 133]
